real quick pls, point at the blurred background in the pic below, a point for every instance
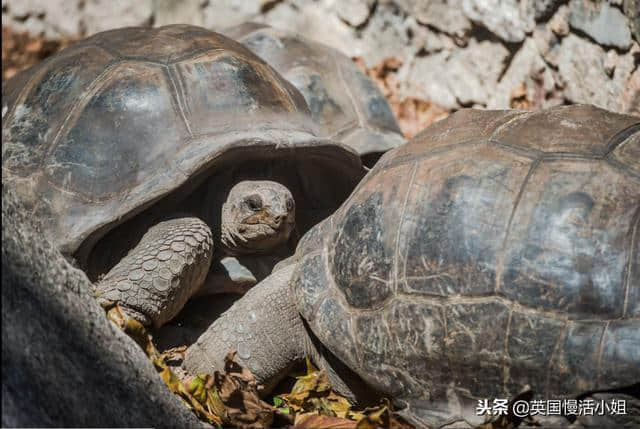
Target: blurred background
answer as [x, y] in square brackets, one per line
[429, 57]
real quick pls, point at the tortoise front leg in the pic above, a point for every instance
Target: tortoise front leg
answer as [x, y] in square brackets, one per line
[157, 277]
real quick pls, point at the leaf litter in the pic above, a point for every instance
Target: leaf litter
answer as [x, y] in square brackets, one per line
[232, 398]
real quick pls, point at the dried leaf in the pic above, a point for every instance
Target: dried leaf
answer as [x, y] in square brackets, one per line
[375, 418]
[205, 404]
[311, 420]
[312, 385]
[238, 391]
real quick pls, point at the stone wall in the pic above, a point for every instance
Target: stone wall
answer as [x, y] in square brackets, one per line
[452, 53]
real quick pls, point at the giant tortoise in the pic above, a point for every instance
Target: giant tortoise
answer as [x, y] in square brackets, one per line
[495, 255]
[346, 103]
[148, 153]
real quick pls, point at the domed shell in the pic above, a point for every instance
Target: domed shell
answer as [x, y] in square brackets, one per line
[344, 101]
[113, 123]
[497, 249]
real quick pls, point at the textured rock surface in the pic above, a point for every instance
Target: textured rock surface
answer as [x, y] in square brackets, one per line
[510, 20]
[587, 73]
[73, 17]
[429, 41]
[602, 22]
[63, 363]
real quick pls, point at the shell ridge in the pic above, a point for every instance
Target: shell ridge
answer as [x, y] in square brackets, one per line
[516, 203]
[620, 138]
[633, 248]
[276, 81]
[506, 361]
[554, 352]
[601, 352]
[398, 232]
[197, 54]
[177, 95]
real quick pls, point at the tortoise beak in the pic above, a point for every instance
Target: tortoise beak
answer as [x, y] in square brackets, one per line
[276, 222]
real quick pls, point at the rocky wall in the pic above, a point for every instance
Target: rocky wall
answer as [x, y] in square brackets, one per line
[447, 53]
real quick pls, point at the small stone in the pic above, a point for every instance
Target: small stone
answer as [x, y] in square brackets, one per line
[426, 39]
[582, 69]
[49, 18]
[170, 12]
[510, 20]
[444, 15]
[101, 15]
[385, 35]
[427, 80]
[355, 12]
[221, 14]
[602, 22]
[630, 102]
[545, 7]
[632, 11]
[319, 22]
[528, 72]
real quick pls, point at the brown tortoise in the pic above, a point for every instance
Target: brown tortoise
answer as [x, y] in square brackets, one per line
[495, 254]
[346, 103]
[177, 145]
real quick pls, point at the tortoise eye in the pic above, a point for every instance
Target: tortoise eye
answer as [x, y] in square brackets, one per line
[289, 204]
[254, 202]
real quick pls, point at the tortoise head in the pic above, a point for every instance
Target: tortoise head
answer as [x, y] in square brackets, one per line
[256, 216]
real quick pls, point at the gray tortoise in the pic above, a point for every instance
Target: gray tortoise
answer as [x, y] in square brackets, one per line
[347, 104]
[155, 155]
[496, 254]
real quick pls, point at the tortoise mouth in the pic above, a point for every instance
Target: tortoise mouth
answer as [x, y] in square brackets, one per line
[256, 238]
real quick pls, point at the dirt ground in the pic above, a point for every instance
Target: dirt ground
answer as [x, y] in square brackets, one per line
[22, 50]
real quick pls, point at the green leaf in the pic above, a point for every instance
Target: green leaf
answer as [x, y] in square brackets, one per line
[278, 402]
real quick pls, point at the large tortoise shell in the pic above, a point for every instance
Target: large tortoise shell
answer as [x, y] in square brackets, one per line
[344, 101]
[496, 250]
[113, 123]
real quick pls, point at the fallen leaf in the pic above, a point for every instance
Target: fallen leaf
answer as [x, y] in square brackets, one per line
[312, 421]
[239, 392]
